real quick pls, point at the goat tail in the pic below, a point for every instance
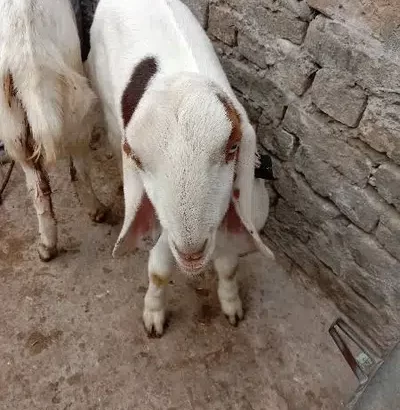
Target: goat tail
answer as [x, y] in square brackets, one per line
[12, 118]
[41, 96]
[57, 105]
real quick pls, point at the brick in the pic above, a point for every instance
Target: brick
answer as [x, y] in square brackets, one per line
[388, 232]
[373, 258]
[387, 182]
[375, 158]
[368, 287]
[335, 45]
[329, 245]
[280, 22]
[274, 110]
[294, 221]
[300, 8]
[258, 51]
[277, 141]
[297, 192]
[314, 130]
[272, 17]
[380, 126]
[292, 246]
[380, 324]
[261, 90]
[295, 71]
[336, 93]
[253, 110]
[364, 16]
[363, 206]
[223, 24]
[199, 8]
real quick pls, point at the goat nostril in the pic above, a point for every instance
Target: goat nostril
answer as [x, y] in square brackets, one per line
[192, 256]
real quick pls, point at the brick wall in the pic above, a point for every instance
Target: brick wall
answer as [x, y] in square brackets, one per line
[321, 82]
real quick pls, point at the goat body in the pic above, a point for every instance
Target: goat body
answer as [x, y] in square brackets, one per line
[186, 145]
[46, 105]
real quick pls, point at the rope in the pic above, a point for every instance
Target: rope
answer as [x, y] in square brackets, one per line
[7, 178]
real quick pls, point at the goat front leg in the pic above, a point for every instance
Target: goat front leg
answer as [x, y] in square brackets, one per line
[225, 264]
[161, 264]
[80, 177]
[39, 186]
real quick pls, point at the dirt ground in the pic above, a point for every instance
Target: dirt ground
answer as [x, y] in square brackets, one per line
[71, 335]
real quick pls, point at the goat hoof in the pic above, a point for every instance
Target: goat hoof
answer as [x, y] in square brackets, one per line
[154, 323]
[234, 311]
[234, 320]
[46, 253]
[99, 215]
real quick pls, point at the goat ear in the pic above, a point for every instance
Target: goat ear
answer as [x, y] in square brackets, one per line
[140, 228]
[242, 192]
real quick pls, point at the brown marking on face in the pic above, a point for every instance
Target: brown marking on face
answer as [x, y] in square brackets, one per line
[8, 87]
[236, 133]
[129, 152]
[136, 87]
[159, 281]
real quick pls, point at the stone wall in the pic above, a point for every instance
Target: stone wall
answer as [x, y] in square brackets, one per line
[321, 82]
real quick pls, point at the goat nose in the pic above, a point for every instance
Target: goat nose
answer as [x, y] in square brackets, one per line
[193, 255]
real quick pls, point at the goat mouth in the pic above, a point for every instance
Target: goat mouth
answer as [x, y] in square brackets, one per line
[192, 267]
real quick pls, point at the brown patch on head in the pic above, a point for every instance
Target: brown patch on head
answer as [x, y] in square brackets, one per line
[159, 281]
[136, 87]
[8, 88]
[236, 133]
[129, 152]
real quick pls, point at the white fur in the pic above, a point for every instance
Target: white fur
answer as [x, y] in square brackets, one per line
[178, 131]
[40, 52]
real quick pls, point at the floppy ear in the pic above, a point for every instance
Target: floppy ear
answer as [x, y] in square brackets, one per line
[239, 218]
[141, 227]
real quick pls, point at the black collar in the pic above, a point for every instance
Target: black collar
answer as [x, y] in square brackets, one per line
[264, 169]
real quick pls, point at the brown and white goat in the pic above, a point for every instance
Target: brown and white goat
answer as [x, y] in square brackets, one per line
[46, 105]
[188, 149]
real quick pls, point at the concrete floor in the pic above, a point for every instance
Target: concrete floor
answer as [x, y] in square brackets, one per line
[71, 335]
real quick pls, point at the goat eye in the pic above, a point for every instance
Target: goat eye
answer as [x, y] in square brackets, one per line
[233, 148]
[231, 151]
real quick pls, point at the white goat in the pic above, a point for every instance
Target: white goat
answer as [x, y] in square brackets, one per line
[188, 148]
[46, 105]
